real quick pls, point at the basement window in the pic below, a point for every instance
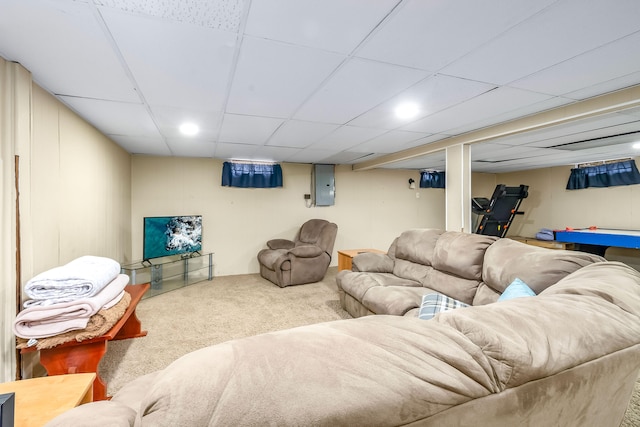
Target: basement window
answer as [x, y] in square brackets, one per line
[432, 179]
[251, 175]
[604, 174]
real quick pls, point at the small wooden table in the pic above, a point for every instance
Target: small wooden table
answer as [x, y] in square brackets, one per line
[39, 400]
[74, 357]
[345, 257]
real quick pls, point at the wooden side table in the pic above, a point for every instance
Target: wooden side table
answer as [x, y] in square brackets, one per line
[345, 257]
[39, 400]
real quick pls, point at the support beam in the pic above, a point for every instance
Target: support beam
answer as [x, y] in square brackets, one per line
[458, 189]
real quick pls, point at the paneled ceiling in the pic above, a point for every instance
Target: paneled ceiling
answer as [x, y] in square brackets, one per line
[318, 81]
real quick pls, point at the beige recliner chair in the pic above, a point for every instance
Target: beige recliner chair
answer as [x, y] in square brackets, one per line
[303, 260]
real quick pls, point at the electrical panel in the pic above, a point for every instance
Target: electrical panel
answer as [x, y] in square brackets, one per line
[323, 185]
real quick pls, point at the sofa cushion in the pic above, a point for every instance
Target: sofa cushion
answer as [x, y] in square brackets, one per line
[393, 300]
[417, 245]
[410, 270]
[451, 285]
[461, 254]
[485, 295]
[375, 370]
[517, 289]
[611, 280]
[358, 284]
[539, 268]
[522, 337]
[435, 303]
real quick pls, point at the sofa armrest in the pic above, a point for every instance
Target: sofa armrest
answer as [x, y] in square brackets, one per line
[280, 244]
[372, 262]
[306, 251]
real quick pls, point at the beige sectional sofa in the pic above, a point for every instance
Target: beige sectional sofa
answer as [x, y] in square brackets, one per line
[472, 268]
[569, 356]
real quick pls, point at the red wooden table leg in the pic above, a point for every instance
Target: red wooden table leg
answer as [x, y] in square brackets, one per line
[131, 329]
[77, 359]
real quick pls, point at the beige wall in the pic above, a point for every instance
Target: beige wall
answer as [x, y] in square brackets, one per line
[371, 208]
[550, 205]
[80, 189]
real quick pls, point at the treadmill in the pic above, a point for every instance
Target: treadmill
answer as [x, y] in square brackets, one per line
[497, 213]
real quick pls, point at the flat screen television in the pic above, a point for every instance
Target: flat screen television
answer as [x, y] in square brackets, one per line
[171, 235]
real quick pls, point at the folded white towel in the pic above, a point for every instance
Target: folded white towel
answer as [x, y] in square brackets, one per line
[41, 321]
[82, 277]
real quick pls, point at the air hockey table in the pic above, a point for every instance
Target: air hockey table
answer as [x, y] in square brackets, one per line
[599, 239]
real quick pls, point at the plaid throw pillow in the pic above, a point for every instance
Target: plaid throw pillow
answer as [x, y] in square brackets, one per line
[433, 304]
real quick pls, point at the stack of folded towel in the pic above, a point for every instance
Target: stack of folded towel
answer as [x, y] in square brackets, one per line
[64, 298]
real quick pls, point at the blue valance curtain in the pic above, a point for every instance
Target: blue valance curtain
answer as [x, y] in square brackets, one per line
[251, 175]
[606, 175]
[432, 179]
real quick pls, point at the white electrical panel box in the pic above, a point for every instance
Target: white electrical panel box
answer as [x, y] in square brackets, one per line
[323, 185]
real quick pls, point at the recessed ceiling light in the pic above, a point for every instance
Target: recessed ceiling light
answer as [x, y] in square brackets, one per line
[407, 110]
[189, 129]
[636, 145]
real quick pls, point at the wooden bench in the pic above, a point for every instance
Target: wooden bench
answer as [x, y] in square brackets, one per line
[84, 357]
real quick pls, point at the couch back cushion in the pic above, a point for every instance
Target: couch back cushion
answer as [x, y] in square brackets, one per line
[457, 262]
[414, 253]
[506, 259]
[461, 254]
[449, 284]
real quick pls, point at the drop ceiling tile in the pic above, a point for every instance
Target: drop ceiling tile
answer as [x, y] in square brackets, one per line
[348, 157]
[295, 133]
[346, 137]
[497, 153]
[355, 88]
[174, 64]
[629, 80]
[634, 112]
[142, 145]
[432, 95]
[430, 34]
[525, 110]
[273, 79]
[228, 151]
[434, 161]
[64, 47]
[218, 14]
[563, 30]
[185, 147]
[473, 111]
[247, 129]
[310, 155]
[273, 154]
[114, 117]
[609, 124]
[169, 120]
[332, 25]
[605, 63]
[389, 142]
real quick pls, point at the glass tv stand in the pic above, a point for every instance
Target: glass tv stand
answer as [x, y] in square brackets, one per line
[169, 273]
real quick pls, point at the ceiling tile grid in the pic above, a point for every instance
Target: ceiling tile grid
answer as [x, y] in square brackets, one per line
[319, 80]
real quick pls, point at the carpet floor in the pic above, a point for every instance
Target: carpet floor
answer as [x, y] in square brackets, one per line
[226, 308]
